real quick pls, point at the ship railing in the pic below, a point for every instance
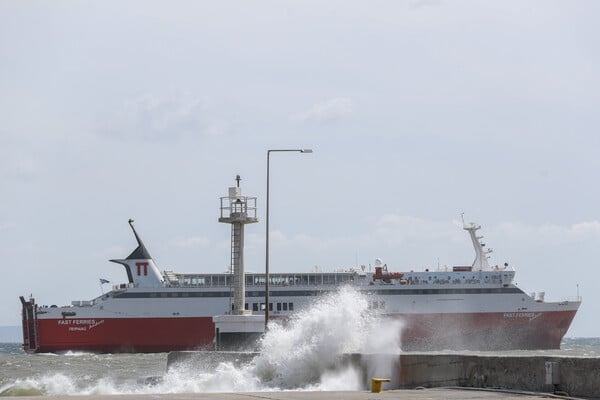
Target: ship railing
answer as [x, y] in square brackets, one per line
[572, 299]
[121, 286]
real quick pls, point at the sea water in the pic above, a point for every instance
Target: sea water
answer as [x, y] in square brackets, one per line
[298, 356]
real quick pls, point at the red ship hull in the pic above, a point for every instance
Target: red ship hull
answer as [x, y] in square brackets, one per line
[125, 335]
[489, 331]
[493, 331]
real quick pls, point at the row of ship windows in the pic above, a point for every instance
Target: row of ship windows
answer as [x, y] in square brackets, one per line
[377, 305]
[292, 293]
[209, 294]
[259, 280]
[457, 281]
[315, 279]
[279, 306]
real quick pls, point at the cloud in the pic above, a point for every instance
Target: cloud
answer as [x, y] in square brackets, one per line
[21, 169]
[155, 117]
[190, 242]
[255, 242]
[16, 158]
[111, 252]
[329, 110]
[417, 4]
[7, 226]
[396, 228]
[551, 233]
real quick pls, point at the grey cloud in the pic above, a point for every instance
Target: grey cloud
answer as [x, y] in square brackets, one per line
[155, 117]
[415, 4]
[7, 226]
[328, 110]
[16, 159]
[192, 241]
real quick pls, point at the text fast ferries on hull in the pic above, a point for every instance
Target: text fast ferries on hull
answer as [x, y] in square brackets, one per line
[476, 307]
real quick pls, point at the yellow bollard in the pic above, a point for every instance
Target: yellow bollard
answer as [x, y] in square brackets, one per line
[376, 384]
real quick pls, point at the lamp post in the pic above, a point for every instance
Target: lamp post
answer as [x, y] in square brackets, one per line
[267, 233]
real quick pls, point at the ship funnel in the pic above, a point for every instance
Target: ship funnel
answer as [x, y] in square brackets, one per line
[139, 265]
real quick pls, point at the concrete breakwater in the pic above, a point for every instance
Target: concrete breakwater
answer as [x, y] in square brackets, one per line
[573, 375]
[576, 376]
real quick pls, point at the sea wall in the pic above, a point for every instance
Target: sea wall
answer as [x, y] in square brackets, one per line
[576, 376]
[573, 375]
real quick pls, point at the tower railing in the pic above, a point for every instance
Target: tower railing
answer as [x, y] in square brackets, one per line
[243, 207]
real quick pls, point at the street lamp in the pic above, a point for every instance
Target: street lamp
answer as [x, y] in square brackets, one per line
[267, 233]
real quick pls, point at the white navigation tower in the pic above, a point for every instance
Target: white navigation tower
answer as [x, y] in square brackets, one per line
[238, 329]
[238, 211]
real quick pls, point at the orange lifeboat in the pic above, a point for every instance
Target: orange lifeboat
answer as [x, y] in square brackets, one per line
[382, 273]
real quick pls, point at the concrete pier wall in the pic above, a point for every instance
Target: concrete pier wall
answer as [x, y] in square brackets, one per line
[576, 376]
[573, 375]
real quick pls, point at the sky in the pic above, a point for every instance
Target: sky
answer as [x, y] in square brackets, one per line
[417, 111]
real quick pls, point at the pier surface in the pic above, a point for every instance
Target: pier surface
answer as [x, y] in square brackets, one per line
[425, 394]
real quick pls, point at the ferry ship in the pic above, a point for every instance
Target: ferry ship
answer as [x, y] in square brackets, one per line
[475, 307]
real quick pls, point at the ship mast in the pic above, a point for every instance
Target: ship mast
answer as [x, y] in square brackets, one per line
[481, 255]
